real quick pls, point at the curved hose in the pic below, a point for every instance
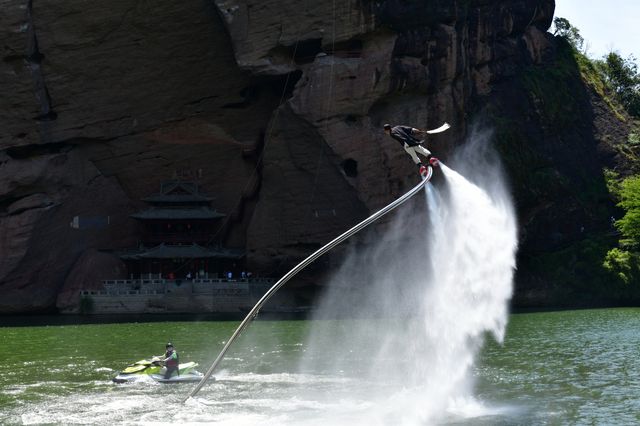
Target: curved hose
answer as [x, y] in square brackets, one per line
[300, 266]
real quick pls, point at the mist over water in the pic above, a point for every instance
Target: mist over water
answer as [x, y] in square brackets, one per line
[434, 283]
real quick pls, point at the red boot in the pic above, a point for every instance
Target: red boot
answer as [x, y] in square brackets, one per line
[434, 161]
[423, 171]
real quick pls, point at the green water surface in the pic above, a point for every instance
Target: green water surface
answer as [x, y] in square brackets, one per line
[572, 367]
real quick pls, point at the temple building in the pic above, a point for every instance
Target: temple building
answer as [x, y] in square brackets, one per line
[180, 237]
[180, 264]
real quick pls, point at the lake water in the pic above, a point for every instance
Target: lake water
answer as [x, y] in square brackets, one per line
[571, 367]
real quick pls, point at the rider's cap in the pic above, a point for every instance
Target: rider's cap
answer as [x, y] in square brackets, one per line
[387, 126]
[169, 345]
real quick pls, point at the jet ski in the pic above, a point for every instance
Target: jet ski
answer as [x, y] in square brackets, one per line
[154, 369]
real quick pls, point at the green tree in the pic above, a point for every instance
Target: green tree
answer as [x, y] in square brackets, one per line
[622, 75]
[621, 263]
[629, 224]
[624, 262]
[564, 29]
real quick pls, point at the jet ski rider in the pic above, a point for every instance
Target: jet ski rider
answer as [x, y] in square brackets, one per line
[170, 361]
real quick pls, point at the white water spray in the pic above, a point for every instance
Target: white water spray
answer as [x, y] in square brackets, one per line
[429, 291]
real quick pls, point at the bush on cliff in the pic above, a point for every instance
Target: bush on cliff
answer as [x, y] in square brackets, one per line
[623, 78]
[629, 224]
[624, 262]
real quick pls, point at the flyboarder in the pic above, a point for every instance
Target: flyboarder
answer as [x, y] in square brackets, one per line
[409, 138]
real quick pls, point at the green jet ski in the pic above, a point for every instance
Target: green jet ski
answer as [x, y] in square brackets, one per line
[154, 369]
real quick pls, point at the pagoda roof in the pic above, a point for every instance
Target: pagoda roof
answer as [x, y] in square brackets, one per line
[193, 251]
[178, 213]
[178, 192]
[177, 198]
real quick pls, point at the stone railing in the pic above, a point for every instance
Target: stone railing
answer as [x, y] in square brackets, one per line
[162, 286]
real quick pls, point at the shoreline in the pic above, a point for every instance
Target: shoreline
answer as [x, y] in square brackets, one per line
[57, 319]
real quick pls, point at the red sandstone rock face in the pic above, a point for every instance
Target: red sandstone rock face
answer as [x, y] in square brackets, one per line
[87, 274]
[106, 102]
[276, 107]
[39, 246]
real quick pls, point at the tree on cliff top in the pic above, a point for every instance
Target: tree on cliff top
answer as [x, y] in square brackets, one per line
[564, 29]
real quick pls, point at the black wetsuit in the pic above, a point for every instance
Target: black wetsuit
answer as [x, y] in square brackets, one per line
[404, 134]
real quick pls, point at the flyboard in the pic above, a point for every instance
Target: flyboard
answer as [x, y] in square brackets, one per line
[440, 129]
[300, 266]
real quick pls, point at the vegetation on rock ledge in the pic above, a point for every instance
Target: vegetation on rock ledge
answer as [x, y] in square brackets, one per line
[617, 81]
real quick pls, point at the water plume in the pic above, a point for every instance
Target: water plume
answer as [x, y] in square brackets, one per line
[424, 295]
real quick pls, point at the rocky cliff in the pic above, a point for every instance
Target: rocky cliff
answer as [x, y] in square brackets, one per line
[276, 107]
